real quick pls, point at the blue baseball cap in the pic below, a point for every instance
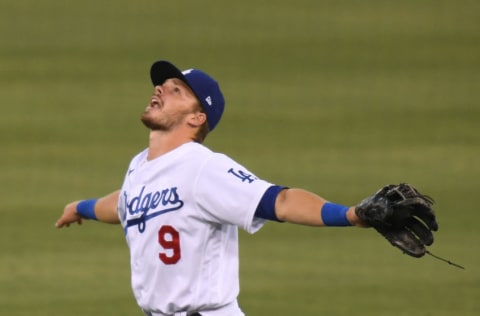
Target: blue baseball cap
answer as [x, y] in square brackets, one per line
[205, 88]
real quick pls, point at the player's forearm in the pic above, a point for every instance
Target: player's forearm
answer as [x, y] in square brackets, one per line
[106, 208]
[103, 209]
[299, 206]
[303, 207]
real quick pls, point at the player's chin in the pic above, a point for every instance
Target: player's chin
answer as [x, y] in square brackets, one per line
[151, 124]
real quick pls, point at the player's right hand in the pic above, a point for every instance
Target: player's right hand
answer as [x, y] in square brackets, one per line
[69, 216]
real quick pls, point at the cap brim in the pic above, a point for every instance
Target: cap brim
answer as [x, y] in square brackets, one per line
[163, 70]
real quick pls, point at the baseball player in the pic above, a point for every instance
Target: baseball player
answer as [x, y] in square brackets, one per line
[180, 205]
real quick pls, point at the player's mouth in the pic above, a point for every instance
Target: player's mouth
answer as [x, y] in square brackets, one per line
[155, 103]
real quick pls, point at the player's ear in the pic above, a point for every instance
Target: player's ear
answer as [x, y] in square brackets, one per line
[197, 119]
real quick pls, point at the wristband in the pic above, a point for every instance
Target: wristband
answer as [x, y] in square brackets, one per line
[335, 215]
[86, 209]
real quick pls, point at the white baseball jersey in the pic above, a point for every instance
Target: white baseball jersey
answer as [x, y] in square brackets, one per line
[180, 213]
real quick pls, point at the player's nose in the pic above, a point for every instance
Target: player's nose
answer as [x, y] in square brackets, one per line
[158, 89]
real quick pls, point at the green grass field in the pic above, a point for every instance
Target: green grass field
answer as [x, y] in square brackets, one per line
[338, 97]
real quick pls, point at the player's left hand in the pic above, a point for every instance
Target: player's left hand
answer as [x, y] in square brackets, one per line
[401, 214]
[69, 216]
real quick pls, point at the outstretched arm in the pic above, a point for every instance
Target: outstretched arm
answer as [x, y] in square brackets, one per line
[303, 207]
[104, 210]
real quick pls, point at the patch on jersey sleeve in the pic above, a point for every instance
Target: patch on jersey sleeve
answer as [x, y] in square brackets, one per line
[242, 175]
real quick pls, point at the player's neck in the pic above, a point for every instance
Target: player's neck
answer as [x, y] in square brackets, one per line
[161, 143]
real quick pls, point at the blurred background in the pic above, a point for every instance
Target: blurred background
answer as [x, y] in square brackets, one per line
[337, 97]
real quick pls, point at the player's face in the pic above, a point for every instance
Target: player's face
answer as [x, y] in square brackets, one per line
[169, 105]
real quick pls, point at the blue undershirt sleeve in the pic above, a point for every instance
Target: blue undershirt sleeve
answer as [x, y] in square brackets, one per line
[266, 207]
